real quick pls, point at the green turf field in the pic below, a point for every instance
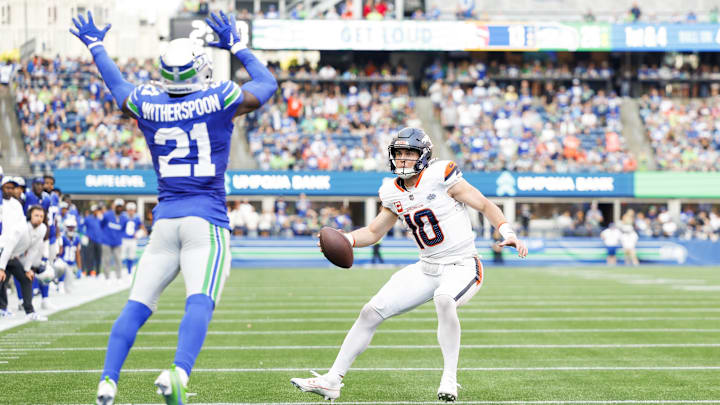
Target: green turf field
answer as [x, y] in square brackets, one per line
[531, 335]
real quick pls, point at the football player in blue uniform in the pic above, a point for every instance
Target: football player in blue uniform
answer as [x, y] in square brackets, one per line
[131, 224]
[53, 211]
[69, 258]
[37, 195]
[187, 121]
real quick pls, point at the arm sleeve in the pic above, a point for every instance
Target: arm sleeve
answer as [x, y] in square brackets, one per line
[119, 87]
[263, 84]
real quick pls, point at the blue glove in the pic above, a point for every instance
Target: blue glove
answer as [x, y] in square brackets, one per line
[87, 31]
[225, 29]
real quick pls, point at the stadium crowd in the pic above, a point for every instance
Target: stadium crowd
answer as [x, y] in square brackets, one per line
[685, 136]
[331, 119]
[568, 129]
[68, 119]
[649, 222]
[467, 71]
[332, 125]
[286, 220]
[463, 10]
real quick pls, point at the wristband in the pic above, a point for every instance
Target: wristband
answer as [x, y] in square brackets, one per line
[237, 47]
[506, 230]
[350, 238]
[94, 44]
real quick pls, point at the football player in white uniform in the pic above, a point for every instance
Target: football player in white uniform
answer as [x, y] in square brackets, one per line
[430, 197]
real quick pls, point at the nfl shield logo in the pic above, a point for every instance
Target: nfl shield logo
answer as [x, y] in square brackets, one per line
[398, 206]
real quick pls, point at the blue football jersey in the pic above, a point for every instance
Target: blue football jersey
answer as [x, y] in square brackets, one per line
[130, 225]
[31, 199]
[189, 140]
[70, 247]
[53, 213]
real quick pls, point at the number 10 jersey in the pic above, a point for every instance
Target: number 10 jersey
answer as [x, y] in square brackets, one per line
[440, 225]
[189, 140]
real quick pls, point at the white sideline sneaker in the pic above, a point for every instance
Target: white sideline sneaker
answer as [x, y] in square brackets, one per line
[448, 391]
[323, 385]
[5, 313]
[172, 384]
[107, 389]
[34, 316]
[46, 305]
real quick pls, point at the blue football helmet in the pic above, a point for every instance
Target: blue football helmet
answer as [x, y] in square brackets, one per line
[415, 139]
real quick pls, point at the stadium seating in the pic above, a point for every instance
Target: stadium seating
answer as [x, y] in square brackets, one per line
[327, 120]
[68, 118]
[568, 129]
[684, 135]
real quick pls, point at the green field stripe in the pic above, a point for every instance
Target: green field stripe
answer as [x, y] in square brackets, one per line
[211, 257]
[221, 269]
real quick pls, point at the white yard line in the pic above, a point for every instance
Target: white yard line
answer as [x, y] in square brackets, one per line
[378, 369]
[426, 311]
[419, 319]
[394, 347]
[391, 331]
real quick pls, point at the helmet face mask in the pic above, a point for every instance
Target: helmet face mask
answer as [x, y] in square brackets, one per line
[410, 139]
[408, 170]
[185, 68]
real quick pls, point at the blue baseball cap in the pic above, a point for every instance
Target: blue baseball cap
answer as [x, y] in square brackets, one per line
[38, 180]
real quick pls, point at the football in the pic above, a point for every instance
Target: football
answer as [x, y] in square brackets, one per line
[336, 247]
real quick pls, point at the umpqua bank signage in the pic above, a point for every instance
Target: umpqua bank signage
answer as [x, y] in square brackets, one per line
[496, 184]
[509, 184]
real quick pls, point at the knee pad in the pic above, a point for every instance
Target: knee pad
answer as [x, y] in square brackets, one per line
[368, 313]
[444, 302]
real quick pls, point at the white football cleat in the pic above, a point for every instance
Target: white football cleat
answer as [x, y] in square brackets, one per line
[5, 313]
[448, 391]
[323, 385]
[107, 389]
[34, 316]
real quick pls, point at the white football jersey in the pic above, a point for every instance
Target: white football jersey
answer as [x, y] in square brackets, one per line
[440, 224]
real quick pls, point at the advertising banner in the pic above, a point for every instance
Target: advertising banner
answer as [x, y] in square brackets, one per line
[677, 185]
[666, 37]
[509, 184]
[392, 35]
[495, 184]
[141, 182]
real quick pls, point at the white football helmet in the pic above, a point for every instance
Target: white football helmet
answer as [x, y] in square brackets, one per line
[59, 265]
[46, 276]
[185, 67]
[70, 224]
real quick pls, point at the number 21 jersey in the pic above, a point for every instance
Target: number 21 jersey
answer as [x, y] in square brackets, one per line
[439, 224]
[189, 140]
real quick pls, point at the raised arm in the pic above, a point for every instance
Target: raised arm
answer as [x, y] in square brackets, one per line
[263, 85]
[471, 196]
[372, 233]
[92, 37]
